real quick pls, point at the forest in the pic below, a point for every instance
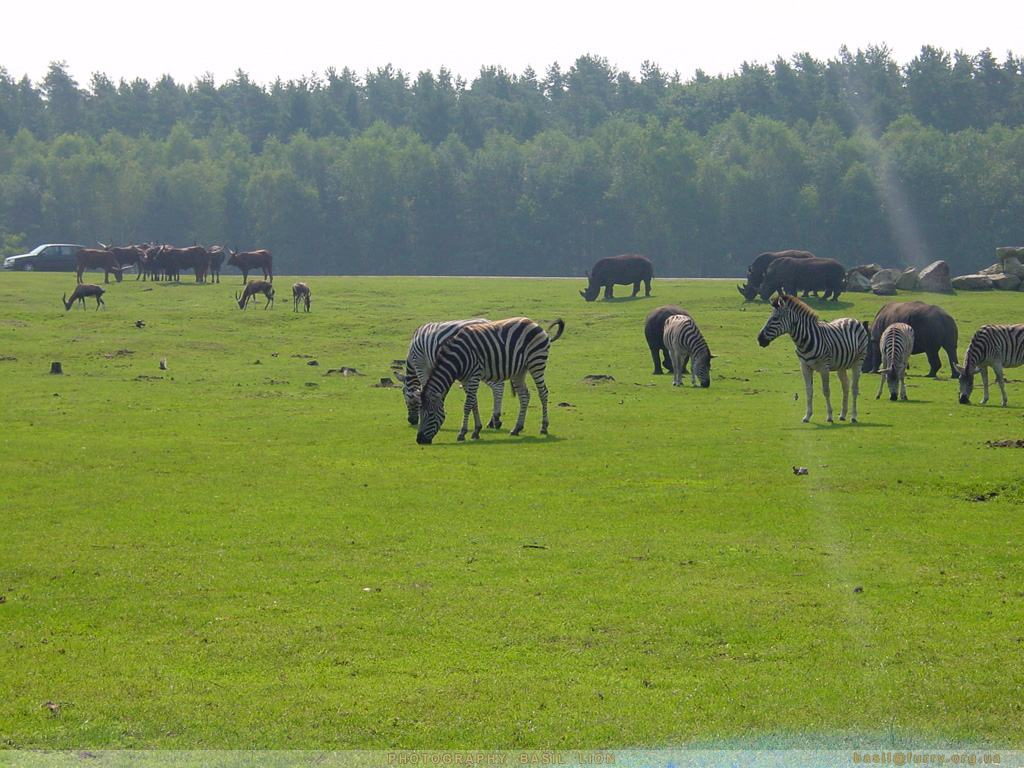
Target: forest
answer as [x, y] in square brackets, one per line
[858, 158]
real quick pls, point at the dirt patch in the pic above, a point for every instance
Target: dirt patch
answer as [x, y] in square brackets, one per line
[597, 378]
[1005, 443]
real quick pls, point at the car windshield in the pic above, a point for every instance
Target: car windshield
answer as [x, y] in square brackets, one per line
[37, 249]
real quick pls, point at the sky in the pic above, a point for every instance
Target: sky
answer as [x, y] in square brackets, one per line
[189, 39]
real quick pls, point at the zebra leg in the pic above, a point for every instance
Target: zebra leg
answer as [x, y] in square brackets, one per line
[498, 388]
[542, 391]
[809, 386]
[1000, 380]
[519, 385]
[983, 370]
[844, 380]
[855, 389]
[677, 367]
[826, 391]
[471, 387]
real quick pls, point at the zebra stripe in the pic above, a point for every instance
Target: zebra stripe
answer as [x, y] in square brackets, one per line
[839, 346]
[419, 362]
[895, 346]
[683, 339]
[995, 346]
[499, 351]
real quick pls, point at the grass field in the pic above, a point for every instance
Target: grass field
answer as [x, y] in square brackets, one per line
[247, 551]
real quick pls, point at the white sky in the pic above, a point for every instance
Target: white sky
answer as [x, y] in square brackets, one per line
[128, 39]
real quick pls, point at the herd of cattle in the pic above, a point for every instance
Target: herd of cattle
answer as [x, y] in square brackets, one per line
[475, 350]
[165, 262]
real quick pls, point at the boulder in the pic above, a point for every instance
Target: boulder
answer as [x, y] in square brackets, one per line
[935, 278]
[994, 269]
[883, 288]
[1013, 266]
[868, 270]
[884, 282]
[857, 282]
[1006, 282]
[1007, 252]
[908, 280]
[973, 283]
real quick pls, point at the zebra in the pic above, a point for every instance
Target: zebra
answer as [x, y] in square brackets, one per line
[895, 346]
[837, 346]
[998, 346]
[506, 349]
[419, 362]
[683, 339]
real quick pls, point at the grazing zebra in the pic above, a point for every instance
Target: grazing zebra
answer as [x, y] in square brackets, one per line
[506, 349]
[837, 346]
[895, 346]
[998, 346]
[419, 362]
[682, 340]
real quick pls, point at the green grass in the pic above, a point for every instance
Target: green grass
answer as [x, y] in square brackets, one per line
[244, 551]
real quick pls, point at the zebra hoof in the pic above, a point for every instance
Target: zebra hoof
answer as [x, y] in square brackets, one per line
[475, 436]
[461, 438]
[515, 431]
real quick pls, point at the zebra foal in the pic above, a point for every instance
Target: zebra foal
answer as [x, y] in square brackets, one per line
[992, 346]
[683, 340]
[895, 346]
[839, 346]
[499, 351]
[419, 362]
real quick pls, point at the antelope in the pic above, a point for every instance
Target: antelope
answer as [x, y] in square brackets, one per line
[300, 294]
[82, 290]
[252, 288]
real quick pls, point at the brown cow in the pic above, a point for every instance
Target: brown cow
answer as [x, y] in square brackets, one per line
[90, 258]
[82, 290]
[252, 288]
[300, 295]
[174, 260]
[252, 260]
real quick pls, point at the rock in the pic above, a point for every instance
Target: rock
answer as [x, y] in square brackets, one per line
[972, 283]
[908, 280]
[994, 269]
[868, 270]
[883, 288]
[1013, 266]
[1006, 282]
[886, 276]
[1007, 252]
[884, 282]
[857, 282]
[935, 278]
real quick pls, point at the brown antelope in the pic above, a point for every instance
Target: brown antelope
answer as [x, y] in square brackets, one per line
[82, 290]
[300, 294]
[252, 288]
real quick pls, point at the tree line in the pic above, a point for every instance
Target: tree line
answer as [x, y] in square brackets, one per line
[857, 158]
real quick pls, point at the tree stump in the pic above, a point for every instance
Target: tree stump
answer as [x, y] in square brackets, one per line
[56, 368]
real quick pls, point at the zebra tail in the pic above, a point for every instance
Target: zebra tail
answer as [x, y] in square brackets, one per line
[561, 328]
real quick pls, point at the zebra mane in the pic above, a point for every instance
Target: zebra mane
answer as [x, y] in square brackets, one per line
[795, 305]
